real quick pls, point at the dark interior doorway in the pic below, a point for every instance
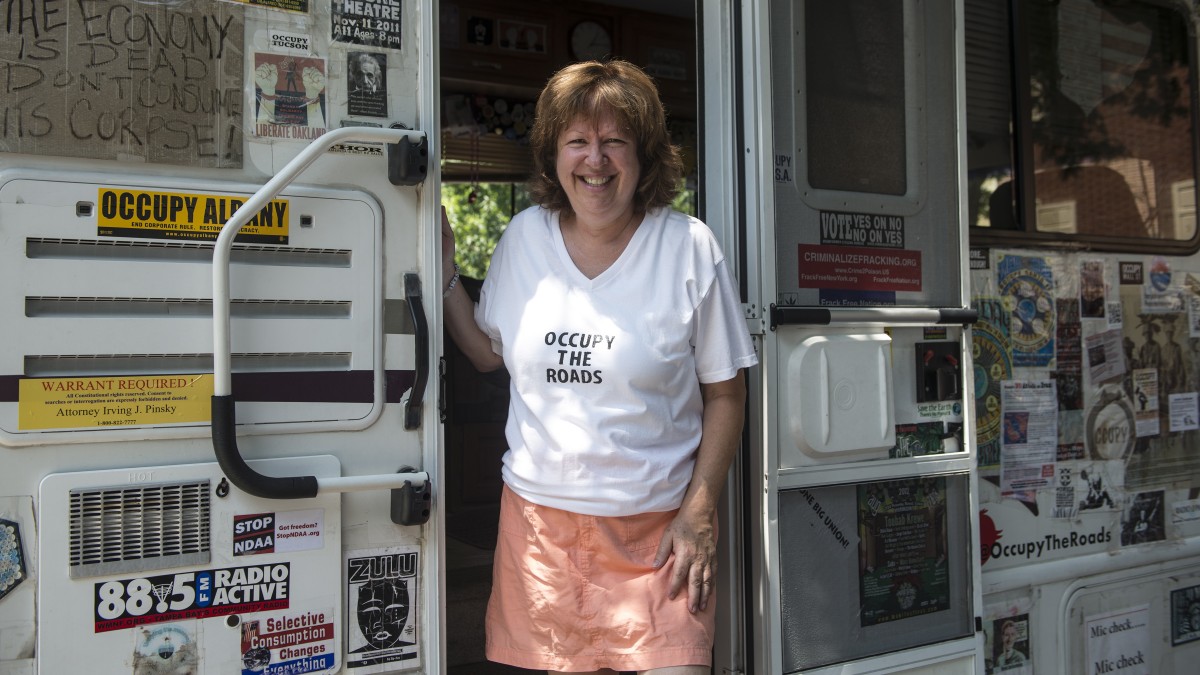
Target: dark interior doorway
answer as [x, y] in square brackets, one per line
[481, 80]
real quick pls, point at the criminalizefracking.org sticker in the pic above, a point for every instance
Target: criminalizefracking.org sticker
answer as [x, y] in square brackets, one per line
[103, 402]
[176, 215]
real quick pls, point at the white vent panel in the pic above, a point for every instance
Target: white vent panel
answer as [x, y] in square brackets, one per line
[138, 528]
[77, 296]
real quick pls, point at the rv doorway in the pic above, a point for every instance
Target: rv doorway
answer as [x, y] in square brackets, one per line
[494, 58]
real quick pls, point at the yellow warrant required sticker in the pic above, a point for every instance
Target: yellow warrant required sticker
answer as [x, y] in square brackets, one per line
[119, 401]
[178, 215]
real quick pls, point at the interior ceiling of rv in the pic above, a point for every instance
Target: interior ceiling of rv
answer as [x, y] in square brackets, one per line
[668, 7]
[496, 56]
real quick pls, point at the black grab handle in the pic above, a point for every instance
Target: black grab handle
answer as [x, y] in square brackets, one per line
[416, 396]
[224, 436]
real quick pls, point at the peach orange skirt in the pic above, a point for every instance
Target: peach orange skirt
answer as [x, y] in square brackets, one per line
[577, 593]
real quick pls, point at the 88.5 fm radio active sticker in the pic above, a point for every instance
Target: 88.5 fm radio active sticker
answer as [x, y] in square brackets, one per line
[125, 603]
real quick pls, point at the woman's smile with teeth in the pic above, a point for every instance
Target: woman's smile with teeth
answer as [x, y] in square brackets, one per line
[597, 167]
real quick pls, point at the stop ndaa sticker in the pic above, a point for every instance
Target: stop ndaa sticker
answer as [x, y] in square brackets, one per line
[278, 532]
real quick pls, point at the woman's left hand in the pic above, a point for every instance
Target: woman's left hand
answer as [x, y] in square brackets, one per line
[690, 539]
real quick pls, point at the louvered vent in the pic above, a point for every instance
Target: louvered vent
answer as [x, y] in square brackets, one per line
[87, 305]
[133, 529]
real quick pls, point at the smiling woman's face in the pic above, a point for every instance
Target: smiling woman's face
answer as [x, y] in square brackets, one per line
[598, 168]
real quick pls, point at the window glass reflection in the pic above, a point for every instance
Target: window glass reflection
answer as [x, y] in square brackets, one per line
[1111, 113]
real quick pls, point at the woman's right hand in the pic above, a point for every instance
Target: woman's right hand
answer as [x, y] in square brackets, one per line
[447, 249]
[459, 311]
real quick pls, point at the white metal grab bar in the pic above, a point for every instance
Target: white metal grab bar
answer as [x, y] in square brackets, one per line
[223, 423]
[222, 354]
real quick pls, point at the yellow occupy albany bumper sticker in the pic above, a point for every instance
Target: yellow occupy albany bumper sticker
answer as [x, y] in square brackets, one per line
[178, 215]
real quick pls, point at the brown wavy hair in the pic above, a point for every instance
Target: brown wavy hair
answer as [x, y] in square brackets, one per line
[590, 89]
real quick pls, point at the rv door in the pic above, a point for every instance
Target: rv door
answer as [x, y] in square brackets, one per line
[862, 486]
[214, 450]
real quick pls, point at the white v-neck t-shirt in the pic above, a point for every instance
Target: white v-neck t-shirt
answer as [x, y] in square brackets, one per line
[605, 410]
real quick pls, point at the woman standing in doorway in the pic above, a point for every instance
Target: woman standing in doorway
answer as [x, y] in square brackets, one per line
[621, 328]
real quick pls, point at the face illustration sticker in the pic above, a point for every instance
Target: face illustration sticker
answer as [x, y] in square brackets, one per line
[383, 611]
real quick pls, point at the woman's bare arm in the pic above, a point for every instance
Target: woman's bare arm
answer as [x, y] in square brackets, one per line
[690, 537]
[458, 312]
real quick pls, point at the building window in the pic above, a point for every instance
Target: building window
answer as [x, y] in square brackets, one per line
[1083, 134]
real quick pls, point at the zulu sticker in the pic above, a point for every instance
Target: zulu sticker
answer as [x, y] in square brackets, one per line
[380, 608]
[175, 215]
[126, 603]
[283, 532]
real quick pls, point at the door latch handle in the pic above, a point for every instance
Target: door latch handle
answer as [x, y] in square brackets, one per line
[416, 395]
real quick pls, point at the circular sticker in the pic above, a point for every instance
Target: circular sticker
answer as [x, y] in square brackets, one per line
[1160, 274]
[1027, 299]
[1110, 425]
[991, 366]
